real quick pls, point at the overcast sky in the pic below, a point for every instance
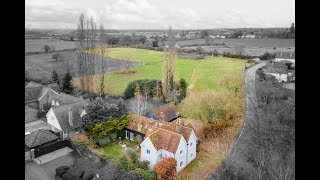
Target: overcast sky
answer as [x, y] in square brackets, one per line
[160, 14]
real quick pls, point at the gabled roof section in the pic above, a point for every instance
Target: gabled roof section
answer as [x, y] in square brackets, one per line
[147, 126]
[32, 84]
[39, 137]
[165, 139]
[32, 93]
[64, 98]
[167, 111]
[62, 115]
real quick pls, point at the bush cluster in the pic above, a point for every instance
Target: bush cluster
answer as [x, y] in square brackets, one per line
[239, 56]
[148, 85]
[130, 162]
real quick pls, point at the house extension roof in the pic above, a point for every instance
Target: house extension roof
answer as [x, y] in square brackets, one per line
[39, 137]
[149, 126]
[168, 111]
[62, 115]
[165, 139]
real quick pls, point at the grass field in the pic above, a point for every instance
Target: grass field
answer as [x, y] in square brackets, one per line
[201, 74]
[38, 44]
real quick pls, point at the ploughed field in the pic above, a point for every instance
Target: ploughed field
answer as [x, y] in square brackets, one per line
[202, 75]
[253, 47]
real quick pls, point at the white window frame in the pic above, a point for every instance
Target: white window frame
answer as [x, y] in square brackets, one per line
[191, 155]
[181, 151]
[191, 144]
[181, 163]
[148, 151]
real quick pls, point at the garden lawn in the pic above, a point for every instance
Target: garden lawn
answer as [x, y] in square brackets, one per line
[203, 74]
[111, 151]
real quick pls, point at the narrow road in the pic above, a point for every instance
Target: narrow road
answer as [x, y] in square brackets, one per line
[251, 98]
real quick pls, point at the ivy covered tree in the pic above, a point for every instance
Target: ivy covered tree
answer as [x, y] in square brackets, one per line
[67, 83]
[55, 77]
[166, 168]
[99, 112]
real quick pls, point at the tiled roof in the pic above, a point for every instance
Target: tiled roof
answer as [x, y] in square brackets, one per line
[32, 84]
[147, 126]
[32, 93]
[168, 111]
[165, 139]
[39, 137]
[62, 115]
[64, 98]
[54, 86]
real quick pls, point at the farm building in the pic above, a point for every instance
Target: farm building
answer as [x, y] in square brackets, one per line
[278, 71]
[285, 56]
[167, 112]
[163, 139]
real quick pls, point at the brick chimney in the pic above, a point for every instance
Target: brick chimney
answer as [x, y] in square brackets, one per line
[70, 116]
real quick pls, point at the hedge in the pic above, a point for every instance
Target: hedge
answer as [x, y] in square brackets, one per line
[61, 170]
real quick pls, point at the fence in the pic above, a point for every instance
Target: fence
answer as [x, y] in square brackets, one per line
[47, 148]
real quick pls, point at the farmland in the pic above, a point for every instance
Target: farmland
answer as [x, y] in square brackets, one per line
[40, 66]
[202, 75]
[253, 47]
[38, 44]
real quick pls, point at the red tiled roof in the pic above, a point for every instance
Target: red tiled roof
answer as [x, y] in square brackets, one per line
[165, 139]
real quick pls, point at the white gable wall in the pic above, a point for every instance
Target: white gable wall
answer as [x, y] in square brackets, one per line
[152, 157]
[52, 120]
[192, 149]
[181, 157]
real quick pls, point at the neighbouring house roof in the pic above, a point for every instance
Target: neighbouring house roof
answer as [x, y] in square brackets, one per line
[30, 114]
[32, 93]
[64, 98]
[168, 111]
[54, 86]
[32, 84]
[62, 115]
[165, 139]
[276, 69]
[286, 55]
[147, 126]
[39, 137]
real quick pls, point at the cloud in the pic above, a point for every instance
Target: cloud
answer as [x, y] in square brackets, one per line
[136, 14]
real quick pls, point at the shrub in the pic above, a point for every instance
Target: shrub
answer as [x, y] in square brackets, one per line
[113, 136]
[81, 139]
[61, 170]
[88, 176]
[166, 168]
[149, 85]
[214, 129]
[200, 50]
[143, 164]
[103, 141]
[147, 174]
[122, 134]
[267, 56]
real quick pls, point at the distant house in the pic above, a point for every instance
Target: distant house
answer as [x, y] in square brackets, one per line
[38, 96]
[163, 139]
[278, 71]
[177, 46]
[167, 112]
[250, 36]
[285, 56]
[65, 114]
